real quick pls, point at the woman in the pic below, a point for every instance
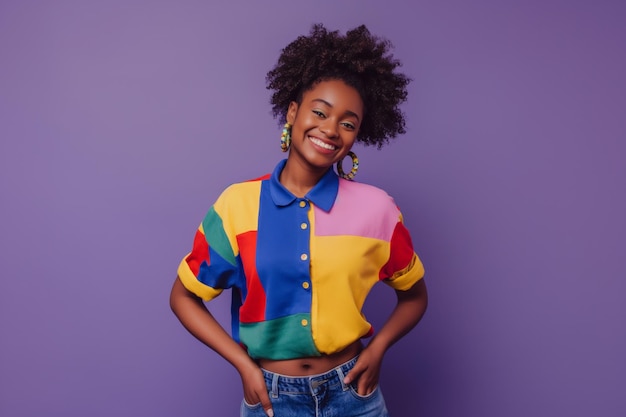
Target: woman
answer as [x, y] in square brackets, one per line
[302, 247]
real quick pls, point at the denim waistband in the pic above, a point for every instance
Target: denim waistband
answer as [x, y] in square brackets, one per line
[309, 384]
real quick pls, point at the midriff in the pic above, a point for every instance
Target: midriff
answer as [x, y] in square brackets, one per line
[311, 365]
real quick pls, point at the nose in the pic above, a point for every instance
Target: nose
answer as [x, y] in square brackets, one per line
[329, 128]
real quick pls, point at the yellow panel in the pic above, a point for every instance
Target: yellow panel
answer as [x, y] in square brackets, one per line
[192, 284]
[343, 270]
[238, 207]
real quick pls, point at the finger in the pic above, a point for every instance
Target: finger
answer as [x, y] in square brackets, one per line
[366, 383]
[365, 388]
[362, 387]
[266, 403]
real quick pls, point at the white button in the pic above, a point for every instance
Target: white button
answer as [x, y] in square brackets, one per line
[304, 257]
[303, 226]
[305, 285]
[304, 322]
[302, 204]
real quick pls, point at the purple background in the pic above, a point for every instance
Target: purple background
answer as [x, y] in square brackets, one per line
[121, 121]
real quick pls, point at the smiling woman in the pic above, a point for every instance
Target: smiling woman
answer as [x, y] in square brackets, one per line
[324, 126]
[301, 248]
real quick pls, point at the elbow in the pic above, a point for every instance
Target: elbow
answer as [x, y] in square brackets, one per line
[416, 296]
[181, 298]
[175, 295]
[423, 300]
[423, 295]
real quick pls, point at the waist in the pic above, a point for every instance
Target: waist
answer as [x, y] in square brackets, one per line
[313, 365]
[277, 382]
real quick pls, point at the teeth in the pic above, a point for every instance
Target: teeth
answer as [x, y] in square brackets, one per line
[322, 144]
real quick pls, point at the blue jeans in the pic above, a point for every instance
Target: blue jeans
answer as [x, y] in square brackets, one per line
[323, 395]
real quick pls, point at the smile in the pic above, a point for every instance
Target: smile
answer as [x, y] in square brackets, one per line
[322, 144]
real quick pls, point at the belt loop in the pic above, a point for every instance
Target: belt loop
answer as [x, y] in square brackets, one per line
[341, 377]
[274, 385]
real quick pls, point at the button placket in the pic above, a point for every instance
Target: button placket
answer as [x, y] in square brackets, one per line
[304, 245]
[304, 226]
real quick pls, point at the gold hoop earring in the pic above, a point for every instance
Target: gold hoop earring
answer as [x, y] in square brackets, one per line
[355, 167]
[285, 138]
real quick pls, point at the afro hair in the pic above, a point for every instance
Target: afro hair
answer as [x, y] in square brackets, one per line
[361, 60]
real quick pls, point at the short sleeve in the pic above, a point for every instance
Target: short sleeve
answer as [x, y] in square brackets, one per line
[403, 268]
[213, 264]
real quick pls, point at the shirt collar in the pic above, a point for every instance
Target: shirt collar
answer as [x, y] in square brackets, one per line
[323, 195]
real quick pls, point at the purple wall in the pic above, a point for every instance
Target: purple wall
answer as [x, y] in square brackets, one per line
[121, 121]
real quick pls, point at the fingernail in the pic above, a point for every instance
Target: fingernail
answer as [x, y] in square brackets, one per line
[270, 412]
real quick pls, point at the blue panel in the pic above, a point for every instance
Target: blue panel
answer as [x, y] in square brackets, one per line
[280, 244]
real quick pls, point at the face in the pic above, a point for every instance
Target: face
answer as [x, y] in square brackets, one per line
[325, 124]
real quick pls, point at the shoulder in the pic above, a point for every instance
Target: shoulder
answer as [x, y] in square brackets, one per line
[363, 194]
[243, 189]
[361, 210]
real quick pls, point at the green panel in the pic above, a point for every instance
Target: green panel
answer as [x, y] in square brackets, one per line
[283, 338]
[216, 236]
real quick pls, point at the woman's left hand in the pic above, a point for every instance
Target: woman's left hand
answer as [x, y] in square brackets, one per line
[365, 372]
[407, 313]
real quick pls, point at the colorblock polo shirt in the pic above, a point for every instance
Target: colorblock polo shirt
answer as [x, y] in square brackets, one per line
[299, 268]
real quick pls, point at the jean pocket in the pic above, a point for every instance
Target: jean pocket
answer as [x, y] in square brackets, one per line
[251, 406]
[355, 393]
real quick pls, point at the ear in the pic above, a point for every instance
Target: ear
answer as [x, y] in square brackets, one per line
[291, 112]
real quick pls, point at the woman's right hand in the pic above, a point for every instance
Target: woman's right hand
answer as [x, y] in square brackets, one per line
[255, 390]
[194, 315]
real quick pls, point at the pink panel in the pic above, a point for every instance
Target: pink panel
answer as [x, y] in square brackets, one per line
[377, 213]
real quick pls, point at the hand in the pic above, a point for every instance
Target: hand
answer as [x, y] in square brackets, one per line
[254, 389]
[366, 372]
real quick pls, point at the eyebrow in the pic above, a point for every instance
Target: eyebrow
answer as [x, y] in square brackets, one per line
[348, 112]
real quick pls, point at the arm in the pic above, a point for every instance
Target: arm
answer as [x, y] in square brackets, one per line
[195, 317]
[409, 309]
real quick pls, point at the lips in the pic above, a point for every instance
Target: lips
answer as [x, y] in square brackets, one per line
[322, 144]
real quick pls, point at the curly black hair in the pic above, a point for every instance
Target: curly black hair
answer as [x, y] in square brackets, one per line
[361, 60]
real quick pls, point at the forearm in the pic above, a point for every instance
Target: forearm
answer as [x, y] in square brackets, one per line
[409, 310]
[195, 317]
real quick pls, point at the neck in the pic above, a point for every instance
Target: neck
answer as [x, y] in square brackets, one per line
[300, 179]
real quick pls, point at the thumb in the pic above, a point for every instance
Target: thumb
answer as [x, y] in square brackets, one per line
[353, 374]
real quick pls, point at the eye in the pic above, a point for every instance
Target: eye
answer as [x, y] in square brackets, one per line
[319, 114]
[348, 125]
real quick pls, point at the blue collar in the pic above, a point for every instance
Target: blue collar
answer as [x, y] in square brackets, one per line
[323, 195]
